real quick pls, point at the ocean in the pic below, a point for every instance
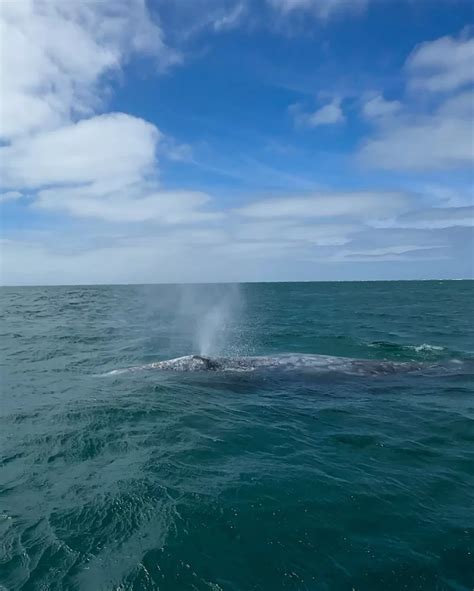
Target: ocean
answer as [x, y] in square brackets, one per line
[262, 480]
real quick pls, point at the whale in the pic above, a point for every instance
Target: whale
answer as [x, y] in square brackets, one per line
[300, 362]
[283, 362]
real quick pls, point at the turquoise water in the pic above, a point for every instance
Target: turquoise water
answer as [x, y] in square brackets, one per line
[236, 481]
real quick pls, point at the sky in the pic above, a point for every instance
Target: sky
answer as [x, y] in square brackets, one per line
[236, 140]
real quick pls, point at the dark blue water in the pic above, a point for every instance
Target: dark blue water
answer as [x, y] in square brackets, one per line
[236, 481]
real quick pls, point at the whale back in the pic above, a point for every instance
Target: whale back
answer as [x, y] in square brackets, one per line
[315, 363]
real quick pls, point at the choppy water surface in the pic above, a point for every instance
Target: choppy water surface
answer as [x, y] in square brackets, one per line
[236, 481]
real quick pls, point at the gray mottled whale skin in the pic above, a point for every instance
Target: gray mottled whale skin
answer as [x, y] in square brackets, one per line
[288, 362]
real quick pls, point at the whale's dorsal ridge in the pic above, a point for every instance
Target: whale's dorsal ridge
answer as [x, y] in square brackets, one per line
[208, 362]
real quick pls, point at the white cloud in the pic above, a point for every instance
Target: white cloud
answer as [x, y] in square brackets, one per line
[54, 61]
[427, 135]
[431, 144]
[231, 19]
[442, 140]
[110, 147]
[433, 218]
[403, 252]
[261, 249]
[277, 230]
[377, 107]
[446, 196]
[165, 207]
[184, 21]
[177, 255]
[445, 64]
[322, 9]
[54, 55]
[460, 106]
[175, 151]
[327, 115]
[358, 205]
[10, 196]
[100, 168]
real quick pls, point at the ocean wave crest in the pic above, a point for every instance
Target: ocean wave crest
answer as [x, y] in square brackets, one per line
[398, 348]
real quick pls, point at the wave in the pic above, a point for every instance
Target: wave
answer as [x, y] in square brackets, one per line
[424, 348]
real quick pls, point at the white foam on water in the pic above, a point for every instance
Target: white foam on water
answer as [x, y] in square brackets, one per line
[425, 347]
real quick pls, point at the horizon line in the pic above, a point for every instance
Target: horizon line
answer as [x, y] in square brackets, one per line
[169, 283]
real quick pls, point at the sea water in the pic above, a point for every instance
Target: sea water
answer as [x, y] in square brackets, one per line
[229, 480]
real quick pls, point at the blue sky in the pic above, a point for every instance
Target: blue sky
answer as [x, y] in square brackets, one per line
[236, 140]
